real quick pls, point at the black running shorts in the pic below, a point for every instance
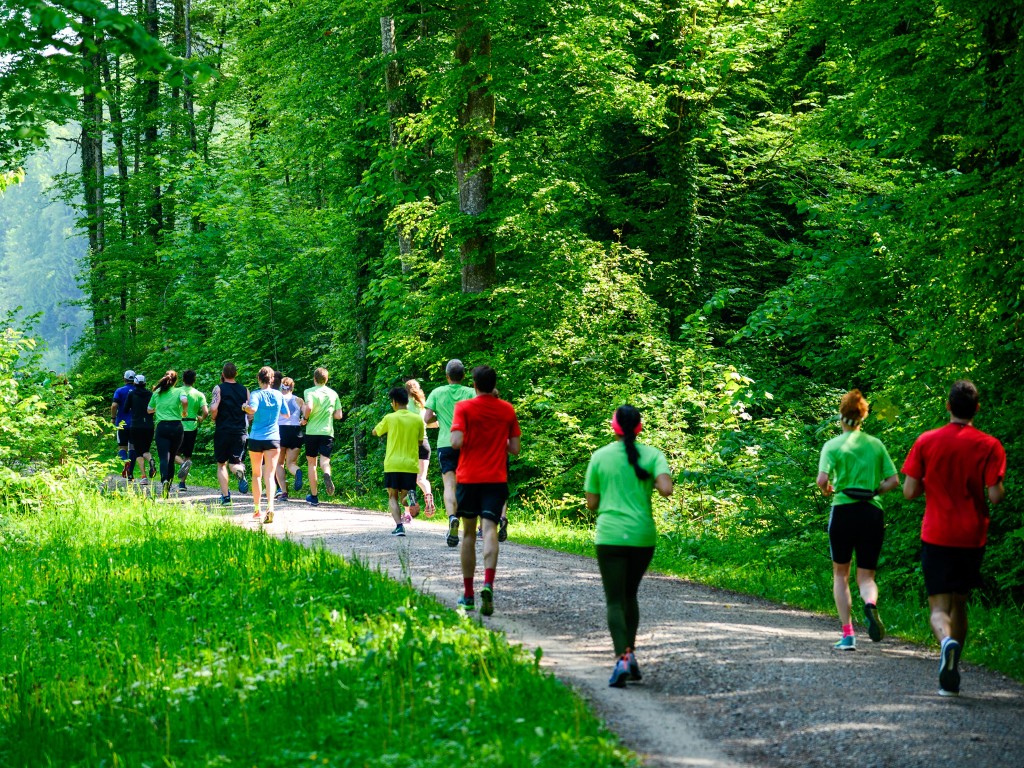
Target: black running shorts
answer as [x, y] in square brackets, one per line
[228, 448]
[856, 528]
[123, 436]
[448, 458]
[484, 500]
[400, 481]
[319, 445]
[142, 441]
[259, 446]
[291, 436]
[188, 444]
[424, 453]
[951, 570]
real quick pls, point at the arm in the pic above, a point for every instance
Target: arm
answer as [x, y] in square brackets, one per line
[337, 414]
[889, 484]
[593, 501]
[203, 413]
[824, 484]
[430, 418]
[113, 410]
[458, 439]
[514, 445]
[912, 488]
[663, 483]
[184, 407]
[215, 404]
[996, 493]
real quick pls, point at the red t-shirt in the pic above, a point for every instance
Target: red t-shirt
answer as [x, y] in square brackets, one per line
[955, 464]
[486, 424]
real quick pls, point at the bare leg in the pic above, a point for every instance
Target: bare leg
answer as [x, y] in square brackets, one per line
[256, 459]
[394, 506]
[450, 505]
[949, 617]
[222, 479]
[867, 585]
[269, 473]
[311, 466]
[490, 529]
[467, 554]
[841, 591]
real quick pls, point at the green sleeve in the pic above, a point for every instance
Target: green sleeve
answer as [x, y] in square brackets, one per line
[825, 461]
[888, 468]
[661, 465]
[431, 401]
[592, 482]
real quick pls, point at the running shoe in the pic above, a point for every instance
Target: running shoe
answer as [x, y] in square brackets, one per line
[428, 500]
[143, 482]
[283, 497]
[278, 494]
[243, 484]
[406, 518]
[167, 488]
[186, 465]
[313, 500]
[269, 518]
[453, 531]
[949, 668]
[328, 484]
[152, 467]
[467, 603]
[225, 501]
[876, 630]
[480, 533]
[503, 529]
[298, 480]
[848, 643]
[487, 600]
[124, 471]
[634, 667]
[256, 514]
[399, 530]
[182, 486]
[619, 674]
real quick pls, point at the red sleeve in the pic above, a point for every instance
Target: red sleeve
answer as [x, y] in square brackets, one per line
[995, 467]
[458, 419]
[913, 465]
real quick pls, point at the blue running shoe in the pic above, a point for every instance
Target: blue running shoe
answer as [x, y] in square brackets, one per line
[313, 500]
[848, 643]
[620, 674]
[182, 486]
[467, 603]
[634, 667]
[453, 531]
[243, 485]
[298, 480]
[949, 668]
[399, 530]
[225, 501]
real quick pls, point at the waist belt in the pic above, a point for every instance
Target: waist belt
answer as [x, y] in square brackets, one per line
[188, 419]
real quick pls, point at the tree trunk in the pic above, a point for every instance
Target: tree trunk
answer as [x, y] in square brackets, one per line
[396, 110]
[475, 175]
[151, 119]
[93, 172]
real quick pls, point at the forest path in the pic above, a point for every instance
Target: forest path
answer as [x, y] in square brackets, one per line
[729, 680]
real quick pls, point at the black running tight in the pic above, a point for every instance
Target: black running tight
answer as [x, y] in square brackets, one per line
[168, 440]
[622, 569]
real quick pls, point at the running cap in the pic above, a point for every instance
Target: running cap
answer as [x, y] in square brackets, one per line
[455, 367]
[140, 379]
[129, 375]
[617, 428]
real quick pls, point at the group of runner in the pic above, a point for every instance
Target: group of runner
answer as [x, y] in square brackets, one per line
[958, 469]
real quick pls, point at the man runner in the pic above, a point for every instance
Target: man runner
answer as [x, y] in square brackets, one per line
[406, 433]
[122, 418]
[955, 468]
[196, 412]
[441, 408]
[229, 432]
[321, 407]
[485, 431]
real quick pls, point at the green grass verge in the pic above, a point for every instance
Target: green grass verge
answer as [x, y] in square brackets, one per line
[792, 573]
[139, 634]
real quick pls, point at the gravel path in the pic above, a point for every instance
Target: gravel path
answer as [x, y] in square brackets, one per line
[728, 680]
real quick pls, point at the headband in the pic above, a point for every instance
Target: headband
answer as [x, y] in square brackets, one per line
[850, 422]
[617, 428]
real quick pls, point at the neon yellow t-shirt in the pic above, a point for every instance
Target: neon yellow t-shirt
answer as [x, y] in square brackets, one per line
[405, 430]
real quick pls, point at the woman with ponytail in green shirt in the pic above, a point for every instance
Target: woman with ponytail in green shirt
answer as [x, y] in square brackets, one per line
[620, 480]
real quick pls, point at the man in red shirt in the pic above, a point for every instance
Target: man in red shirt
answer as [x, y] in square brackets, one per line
[955, 467]
[485, 431]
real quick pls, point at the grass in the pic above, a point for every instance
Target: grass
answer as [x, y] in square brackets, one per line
[137, 634]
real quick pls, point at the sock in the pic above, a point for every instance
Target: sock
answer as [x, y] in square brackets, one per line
[489, 576]
[467, 587]
[847, 630]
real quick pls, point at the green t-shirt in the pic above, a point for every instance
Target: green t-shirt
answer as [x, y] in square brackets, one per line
[855, 460]
[405, 430]
[323, 402]
[624, 514]
[196, 403]
[167, 405]
[442, 402]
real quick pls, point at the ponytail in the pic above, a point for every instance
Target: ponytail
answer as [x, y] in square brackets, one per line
[169, 380]
[628, 418]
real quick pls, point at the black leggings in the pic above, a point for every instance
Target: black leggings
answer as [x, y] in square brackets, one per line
[622, 569]
[168, 440]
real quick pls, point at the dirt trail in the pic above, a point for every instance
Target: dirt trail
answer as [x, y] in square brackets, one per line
[728, 680]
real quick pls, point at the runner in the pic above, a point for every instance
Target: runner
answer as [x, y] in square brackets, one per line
[229, 430]
[141, 433]
[406, 434]
[620, 479]
[417, 405]
[197, 411]
[858, 465]
[291, 440]
[265, 406]
[321, 408]
[168, 405]
[440, 407]
[955, 468]
[485, 431]
[123, 419]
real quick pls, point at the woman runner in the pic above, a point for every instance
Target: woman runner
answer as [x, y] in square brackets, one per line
[265, 406]
[619, 482]
[291, 439]
[857, 468]
[169, 406]
[417, 405]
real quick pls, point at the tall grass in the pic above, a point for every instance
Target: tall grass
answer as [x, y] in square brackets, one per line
[139, 634]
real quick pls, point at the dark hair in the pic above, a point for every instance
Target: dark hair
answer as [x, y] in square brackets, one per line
[266, 375]
[629, 419]
[169, 380]
[455, 370]
[278, 378]
[399, 395]
[229, 371]
[320, 376]
[485, 378]
[189, 377]
[963, 399]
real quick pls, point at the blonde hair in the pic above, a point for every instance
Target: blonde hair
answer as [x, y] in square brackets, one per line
[416, 393]
[266, 375]
[288, 382]
[853, 408]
